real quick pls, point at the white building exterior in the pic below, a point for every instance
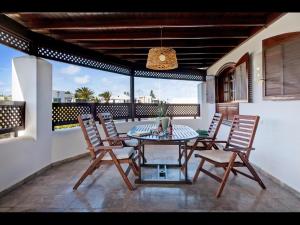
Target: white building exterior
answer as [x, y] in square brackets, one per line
[145, 99]
[119, 99]
[62, 97]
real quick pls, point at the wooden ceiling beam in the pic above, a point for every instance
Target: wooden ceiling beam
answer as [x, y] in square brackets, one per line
[144, 20]
[181, 63]
[179, 51]
[184, 60]
[152, 35]
[211, 43]
[179, 57]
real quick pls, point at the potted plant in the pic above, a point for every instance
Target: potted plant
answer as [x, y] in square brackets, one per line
[161, 115]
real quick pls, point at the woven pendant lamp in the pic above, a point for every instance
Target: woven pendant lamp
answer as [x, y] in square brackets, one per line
[162, 58]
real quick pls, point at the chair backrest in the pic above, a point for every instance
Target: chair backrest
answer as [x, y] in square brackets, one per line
[109, 127]
[242, 132]
[215, 125]
[91, 133]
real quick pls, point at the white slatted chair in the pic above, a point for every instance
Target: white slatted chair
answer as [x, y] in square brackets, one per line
[116, 154]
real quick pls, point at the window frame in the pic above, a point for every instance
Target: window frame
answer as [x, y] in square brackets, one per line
[278, 40]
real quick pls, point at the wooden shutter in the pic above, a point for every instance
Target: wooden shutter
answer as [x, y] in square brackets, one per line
[274, 71]
[281, 61]
[241, 79]
[291, 67]
[228, 110]
[210, 90]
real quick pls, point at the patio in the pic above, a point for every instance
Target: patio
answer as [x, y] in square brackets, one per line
[104, 191]
[244, 64]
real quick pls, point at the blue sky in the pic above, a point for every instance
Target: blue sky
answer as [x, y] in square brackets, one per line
[67, 77]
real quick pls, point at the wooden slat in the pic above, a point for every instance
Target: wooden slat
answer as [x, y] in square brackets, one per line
[141, 20]
[273, 71]
[243, 126]
[235, 132]
[291, 69]
[234, 137]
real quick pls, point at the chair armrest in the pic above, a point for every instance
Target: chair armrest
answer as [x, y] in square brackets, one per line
[122, 133]
[116, 138]
[110, 147]
[212, 141]
[216, 141]
[204, 138]
[237, 149]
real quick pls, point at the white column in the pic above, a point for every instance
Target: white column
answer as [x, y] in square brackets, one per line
[22, 156]
[203, 104]
[32, 83]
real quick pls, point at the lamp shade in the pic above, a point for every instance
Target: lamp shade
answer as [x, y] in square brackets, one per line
[162, 58]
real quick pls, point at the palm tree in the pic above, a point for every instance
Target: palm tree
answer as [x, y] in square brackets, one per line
[152, 94]
[84, 94]
[106, 95]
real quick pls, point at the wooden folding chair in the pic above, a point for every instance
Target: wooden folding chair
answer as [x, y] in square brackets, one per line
[235, 153]
[200, 143]
[116, 154]
[110, 131]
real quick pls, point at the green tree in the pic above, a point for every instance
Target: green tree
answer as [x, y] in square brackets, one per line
[67, 92]
[106, 95]
[152, 94]
[84, 93]
[96, 100]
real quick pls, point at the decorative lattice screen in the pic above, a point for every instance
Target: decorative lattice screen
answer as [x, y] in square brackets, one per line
[12, 116]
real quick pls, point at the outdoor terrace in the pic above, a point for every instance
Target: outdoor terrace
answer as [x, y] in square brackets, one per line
[239, 61]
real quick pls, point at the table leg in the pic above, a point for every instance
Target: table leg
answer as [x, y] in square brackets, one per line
[185, 163]
[140, 155]
[179, 154]
[143, 154]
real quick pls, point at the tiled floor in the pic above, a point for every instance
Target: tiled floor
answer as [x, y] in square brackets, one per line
[106, 191]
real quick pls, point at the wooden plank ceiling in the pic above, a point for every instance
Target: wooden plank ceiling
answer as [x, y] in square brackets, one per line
[200, 39]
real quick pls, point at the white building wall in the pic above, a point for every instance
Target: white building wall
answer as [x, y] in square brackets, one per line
[22, 156]
[278, 138]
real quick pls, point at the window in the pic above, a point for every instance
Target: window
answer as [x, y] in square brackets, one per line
[56, 100]
[233, 83]
[281, 61]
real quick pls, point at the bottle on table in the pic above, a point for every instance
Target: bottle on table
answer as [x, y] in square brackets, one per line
[170, 128]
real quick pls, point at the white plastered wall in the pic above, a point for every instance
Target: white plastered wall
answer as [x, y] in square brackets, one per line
[22, 156]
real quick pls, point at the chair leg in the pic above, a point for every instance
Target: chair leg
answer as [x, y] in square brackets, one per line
[134, 168]
[235, 173]
[95, 164]
[252, 171]
[188, 157]
[125, 178]
[226, 174]
[198, 170]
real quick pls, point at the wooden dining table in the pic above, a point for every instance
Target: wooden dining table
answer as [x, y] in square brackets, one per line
[161, 171]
